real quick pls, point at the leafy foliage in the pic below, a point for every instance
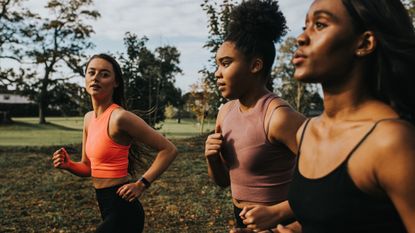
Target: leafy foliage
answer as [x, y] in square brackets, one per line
[410, 6]
[149, 78]
[56, 42]
[303, 97]
[218, 20]
[200, 95]
[12, 17]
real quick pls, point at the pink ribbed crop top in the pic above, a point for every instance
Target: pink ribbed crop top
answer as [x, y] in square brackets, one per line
[259, 170]
[108, 158]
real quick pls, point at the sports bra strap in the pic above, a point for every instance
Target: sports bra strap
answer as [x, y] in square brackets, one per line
[302, 136]
[366, 136]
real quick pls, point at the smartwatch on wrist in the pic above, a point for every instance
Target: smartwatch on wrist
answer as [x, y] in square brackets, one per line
[145, 182]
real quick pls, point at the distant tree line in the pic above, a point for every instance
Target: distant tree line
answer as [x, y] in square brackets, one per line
[46, 53]
[50, 51]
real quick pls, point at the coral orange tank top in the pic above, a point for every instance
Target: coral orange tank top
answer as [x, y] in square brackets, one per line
[108, 158]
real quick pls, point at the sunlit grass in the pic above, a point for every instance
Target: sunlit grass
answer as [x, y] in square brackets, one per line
[68, 130]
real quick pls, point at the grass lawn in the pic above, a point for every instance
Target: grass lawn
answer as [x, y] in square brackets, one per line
[27, 132]
[35, 197]
[187, 128]
[68, 130]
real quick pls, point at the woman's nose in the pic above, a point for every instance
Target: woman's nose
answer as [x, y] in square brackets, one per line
[302, 39]
[218, 73]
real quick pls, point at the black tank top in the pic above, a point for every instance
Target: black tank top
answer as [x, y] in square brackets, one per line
[334, 204]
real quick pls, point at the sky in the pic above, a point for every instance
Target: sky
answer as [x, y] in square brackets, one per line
[179, 23]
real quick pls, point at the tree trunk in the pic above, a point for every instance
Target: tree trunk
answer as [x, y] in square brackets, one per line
[202, 121]
[299, 96]
[179, 116]
[5, 117]
[42, 119]
[43, 102]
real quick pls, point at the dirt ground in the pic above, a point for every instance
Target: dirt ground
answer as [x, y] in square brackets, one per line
[35, 197]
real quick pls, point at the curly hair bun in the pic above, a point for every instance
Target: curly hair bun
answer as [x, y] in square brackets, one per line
[261, 19]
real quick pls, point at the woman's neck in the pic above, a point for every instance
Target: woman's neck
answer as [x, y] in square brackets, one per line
[343, 99]
[249, 100]
[99, 106]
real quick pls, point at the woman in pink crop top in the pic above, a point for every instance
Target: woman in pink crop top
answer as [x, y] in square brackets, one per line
[108, 132]
[252, 148]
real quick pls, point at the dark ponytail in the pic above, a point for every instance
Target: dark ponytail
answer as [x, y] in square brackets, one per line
[391, 67]
[255, 25]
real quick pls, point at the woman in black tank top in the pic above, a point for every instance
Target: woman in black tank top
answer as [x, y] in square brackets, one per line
[356, 161]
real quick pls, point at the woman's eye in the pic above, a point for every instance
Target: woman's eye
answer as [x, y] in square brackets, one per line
[226, 64]
[91, 73]
[320, 25]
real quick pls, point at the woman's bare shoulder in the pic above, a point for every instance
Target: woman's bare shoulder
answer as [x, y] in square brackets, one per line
[87, 117]
[127, 121]
[394, 132]
[394, 142]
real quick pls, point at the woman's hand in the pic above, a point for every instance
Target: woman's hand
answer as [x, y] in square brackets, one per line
[259, 217]
[241, 230]
[61, 159]
[246, 230]
[283, 229]
[213, 144]
[131, 191]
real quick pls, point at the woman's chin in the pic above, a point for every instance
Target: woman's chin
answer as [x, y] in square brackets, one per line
[303, 77]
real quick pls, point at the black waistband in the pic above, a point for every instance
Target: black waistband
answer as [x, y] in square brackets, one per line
[109, 190]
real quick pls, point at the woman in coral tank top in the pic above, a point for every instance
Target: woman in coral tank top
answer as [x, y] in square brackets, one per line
[108, 132]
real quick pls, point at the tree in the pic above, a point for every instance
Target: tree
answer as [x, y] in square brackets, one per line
[69, 99]
[410, 6]
[12, 16]
[57, 42]
[218, 20]
[170, 111]
[303, 97]
[201, 94]
[149, 78]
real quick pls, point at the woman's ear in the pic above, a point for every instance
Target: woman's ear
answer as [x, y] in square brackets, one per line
[366, 44]
[256, 65]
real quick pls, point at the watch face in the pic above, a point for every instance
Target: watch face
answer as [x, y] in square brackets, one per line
[145, 182]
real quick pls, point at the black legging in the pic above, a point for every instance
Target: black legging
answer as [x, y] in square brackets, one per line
[236, 212]
[119, 215]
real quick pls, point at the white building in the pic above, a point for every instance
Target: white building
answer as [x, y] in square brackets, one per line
[8, 98]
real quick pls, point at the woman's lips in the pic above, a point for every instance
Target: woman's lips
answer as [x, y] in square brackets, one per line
[221, 86]
[95, 86]
[299, 58]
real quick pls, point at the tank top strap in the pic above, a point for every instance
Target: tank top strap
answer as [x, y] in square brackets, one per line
[233, 104]
[302, 137]
[270, 117]
[268, 98]
[104, 118]
[366, 136]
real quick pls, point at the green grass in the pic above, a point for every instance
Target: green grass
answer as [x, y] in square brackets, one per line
[187, 128]
[68, 130]
[35, 197]
[26, 132]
